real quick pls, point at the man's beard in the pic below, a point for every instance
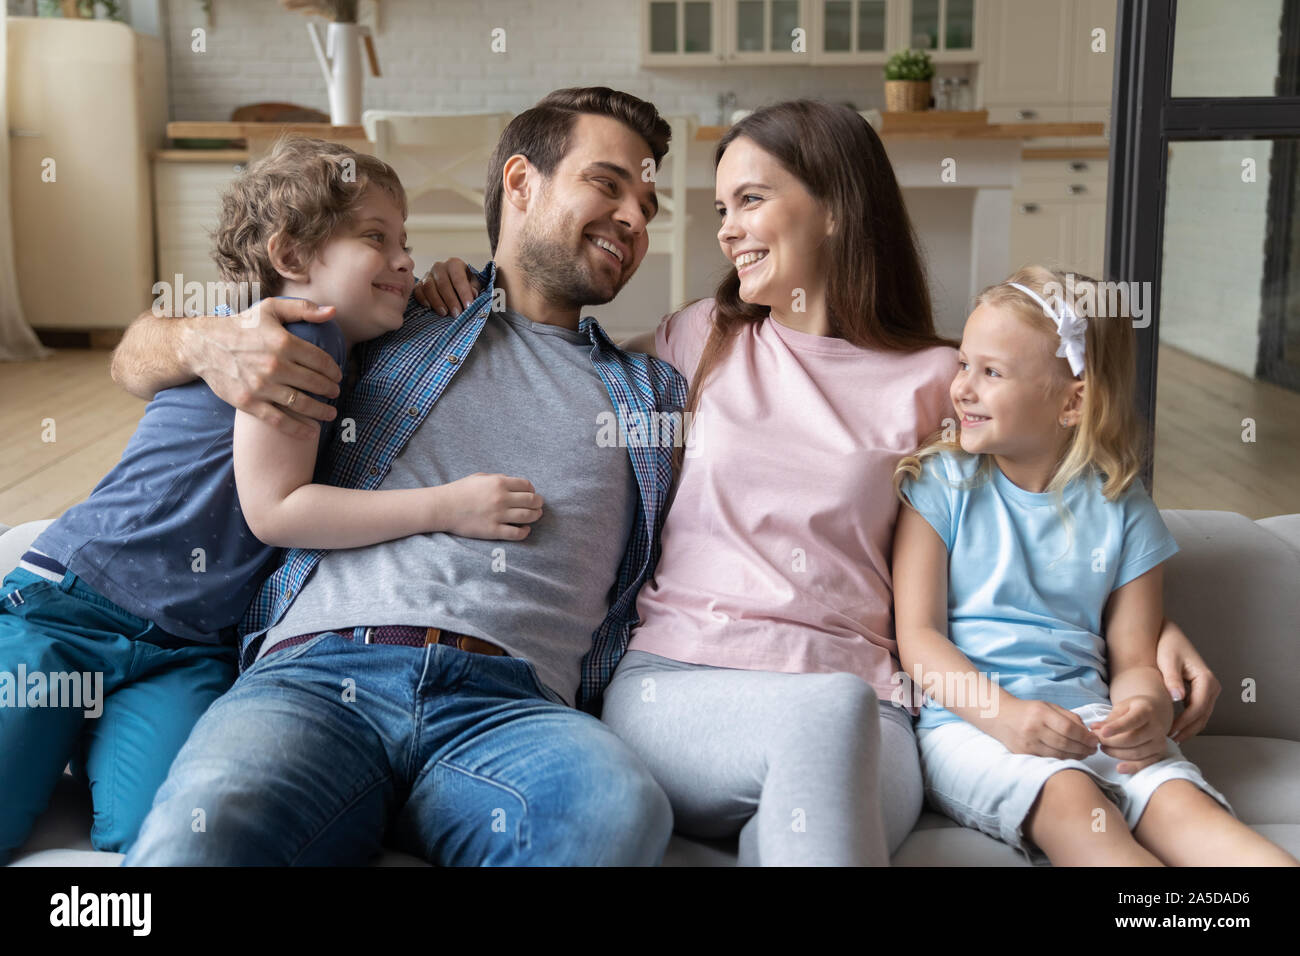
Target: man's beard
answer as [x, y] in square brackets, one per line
[562, 277]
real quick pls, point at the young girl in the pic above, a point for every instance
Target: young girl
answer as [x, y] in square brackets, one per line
[1028, 537]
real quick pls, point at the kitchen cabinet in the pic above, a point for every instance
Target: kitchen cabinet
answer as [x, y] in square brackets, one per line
[834, 32]
[1092, 71]
[1058, 215]
[187, 207]
[943, 28]
[1027, 62]
[1043, 60]
[1042, 232]
[769, 31]
[854, 31]
[681, 32]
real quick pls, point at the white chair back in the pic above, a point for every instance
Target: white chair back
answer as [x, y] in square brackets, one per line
[442, 161]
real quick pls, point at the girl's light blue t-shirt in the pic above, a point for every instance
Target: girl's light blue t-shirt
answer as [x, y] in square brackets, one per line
[1025, 598]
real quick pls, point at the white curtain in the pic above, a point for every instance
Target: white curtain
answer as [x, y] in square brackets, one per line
[17, 340]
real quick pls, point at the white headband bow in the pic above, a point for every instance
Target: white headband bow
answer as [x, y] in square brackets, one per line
[1069, 326]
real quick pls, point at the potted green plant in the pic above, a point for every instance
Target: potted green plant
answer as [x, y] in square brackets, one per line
[907, 81]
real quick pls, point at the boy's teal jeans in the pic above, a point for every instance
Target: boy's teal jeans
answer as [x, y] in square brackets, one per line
[82, 683]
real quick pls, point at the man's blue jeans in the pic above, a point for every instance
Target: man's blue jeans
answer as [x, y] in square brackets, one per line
[322, 750]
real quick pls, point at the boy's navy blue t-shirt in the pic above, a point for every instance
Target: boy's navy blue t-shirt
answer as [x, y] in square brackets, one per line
[162, 535]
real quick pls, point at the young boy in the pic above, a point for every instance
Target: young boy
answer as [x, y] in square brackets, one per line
[117, 629]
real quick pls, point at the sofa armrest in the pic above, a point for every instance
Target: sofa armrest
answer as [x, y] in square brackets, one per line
[16, 540]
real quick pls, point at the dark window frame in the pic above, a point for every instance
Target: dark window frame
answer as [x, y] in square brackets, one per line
[1145, 119]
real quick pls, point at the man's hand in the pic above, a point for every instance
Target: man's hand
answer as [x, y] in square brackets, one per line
[1178, 662]
[448, 288]
[1134, 732]
[252, 363]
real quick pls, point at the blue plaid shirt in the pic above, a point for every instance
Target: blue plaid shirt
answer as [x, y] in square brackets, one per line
[403, 374]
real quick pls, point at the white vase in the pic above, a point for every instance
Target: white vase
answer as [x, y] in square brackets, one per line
[340, 62]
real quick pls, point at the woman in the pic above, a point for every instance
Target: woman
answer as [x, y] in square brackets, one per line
[762, 686]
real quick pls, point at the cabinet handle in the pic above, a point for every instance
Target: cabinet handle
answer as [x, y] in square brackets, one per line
[1078, 166]
[239, 167]
[1026, 114]
[1075, 189]
[1028, 207]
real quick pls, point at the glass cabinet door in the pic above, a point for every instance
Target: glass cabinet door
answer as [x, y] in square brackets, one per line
[680, 30]
[940, 25]
[785, 20]
[663, 26]
[750, 17]
[854, 26]
[764, 30]
[959, 25]
[697, 23]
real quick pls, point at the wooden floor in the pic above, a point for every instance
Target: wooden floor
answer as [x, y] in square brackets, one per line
[1201, 461]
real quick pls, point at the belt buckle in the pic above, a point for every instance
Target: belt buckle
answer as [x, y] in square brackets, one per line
[367, 635]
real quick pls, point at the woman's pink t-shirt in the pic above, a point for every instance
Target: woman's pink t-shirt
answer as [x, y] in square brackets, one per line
[776, 548]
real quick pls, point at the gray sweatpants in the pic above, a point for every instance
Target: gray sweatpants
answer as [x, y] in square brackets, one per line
[811, 769]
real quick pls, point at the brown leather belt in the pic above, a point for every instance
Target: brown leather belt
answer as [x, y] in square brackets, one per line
[407, 637]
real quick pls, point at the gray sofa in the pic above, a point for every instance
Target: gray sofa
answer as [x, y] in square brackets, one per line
[1234, 588]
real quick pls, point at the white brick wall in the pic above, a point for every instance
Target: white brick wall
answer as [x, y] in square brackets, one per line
[435, 55]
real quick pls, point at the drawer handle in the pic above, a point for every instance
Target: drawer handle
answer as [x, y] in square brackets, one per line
[1078, 166]
[1075, 189]
[1028, 207]
[1026, 114]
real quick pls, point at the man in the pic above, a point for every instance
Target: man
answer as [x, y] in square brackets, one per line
[427, 686]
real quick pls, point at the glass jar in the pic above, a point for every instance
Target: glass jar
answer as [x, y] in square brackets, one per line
[962, 96]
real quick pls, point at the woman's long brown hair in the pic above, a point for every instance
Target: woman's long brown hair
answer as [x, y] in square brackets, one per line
[876, 293]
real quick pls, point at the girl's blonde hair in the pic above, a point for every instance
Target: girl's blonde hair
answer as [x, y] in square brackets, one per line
[1108, 437]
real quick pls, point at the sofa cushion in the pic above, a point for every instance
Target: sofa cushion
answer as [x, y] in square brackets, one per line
[1233, 588]
[1286, 527]
[1259, 776]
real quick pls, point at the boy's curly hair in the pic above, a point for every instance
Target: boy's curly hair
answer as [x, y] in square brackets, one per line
[305, 189]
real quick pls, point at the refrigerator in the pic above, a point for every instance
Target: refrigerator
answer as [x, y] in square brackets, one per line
[87, 104]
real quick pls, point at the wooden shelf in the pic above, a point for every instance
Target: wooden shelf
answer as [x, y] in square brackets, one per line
[1066, 152]
[200, 155]
[963, 131]
[190, 129]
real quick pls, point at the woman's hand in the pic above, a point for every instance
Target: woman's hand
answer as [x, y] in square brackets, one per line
[1178, 662]
[1040, 728]
[448, 287]
[1134, 732]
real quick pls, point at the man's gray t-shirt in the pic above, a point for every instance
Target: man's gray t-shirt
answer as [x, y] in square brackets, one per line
[525, 403]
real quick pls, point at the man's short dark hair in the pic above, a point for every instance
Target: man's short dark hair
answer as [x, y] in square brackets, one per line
[544, 134]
